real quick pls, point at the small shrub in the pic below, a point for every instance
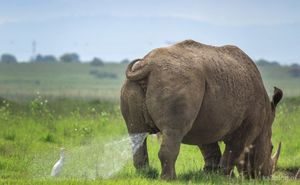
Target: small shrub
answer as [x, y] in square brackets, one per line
[100, 75]
[96, 62]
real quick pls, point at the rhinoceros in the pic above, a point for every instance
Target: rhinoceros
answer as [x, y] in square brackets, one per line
[199, 94]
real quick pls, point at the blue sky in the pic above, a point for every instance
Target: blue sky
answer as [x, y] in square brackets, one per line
[114, 30]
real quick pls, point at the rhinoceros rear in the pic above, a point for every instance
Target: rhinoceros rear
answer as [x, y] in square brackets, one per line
[198, 94]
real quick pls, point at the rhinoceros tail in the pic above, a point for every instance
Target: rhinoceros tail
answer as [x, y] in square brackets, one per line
[137, 70]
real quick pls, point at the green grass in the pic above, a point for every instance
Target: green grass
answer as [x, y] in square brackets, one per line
[31, 135]
[46, 106]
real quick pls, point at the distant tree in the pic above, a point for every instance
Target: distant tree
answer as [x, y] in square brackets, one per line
[96, 62]
[8, 58]
[263, 62]
[125, 61]
[38, 58]
[70, 58]
[294, 70]
[45, 59]
[295, 65]
[50, 59]
[275, 63]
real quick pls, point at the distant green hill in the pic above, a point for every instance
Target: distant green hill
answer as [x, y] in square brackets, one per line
[279, 76]
[23, 81]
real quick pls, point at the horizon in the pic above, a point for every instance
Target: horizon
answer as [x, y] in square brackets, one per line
[117, 30]
[58, 60]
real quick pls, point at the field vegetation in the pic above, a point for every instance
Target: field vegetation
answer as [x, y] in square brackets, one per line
[46, 106]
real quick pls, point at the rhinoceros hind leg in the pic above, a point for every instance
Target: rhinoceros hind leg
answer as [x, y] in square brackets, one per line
[168, 152]
[140, 157]
[212, 155]
[132, 100]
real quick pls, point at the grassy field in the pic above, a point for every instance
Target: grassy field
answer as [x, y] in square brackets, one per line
[23, 81]
[45, 106]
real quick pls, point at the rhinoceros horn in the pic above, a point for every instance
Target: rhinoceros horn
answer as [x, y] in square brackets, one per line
[276, 156]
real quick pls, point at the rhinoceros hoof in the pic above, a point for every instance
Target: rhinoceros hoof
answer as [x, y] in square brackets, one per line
[168, 177]
[211, 168]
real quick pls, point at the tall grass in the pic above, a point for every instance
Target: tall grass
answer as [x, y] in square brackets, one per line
[31, 134]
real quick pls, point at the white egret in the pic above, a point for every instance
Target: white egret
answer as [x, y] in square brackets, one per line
[59, 164]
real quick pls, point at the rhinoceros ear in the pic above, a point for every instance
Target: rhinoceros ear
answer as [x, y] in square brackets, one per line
[276, 97]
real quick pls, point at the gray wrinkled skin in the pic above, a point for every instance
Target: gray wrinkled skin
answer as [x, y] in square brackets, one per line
[198, 94]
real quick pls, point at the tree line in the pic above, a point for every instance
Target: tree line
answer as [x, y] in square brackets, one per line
[65, 58]
[293, 70]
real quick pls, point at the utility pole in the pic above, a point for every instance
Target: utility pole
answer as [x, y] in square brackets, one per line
[33, 48]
